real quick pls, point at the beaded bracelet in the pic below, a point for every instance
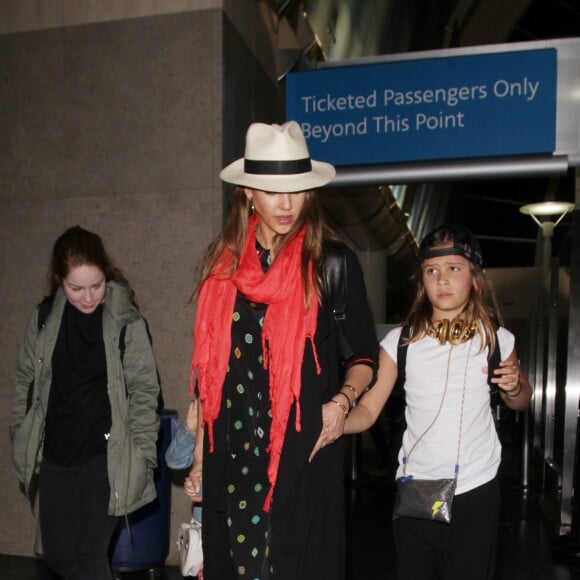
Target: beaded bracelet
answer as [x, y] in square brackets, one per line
[518, 389]
[341, 405]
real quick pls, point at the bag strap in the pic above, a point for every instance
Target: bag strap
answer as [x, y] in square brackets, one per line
[493, 360]
[44, 308]
[122, 342]
[402, 347]
[335, 273]
[407, 455]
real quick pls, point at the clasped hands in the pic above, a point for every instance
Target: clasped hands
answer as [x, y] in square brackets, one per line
[333, 419]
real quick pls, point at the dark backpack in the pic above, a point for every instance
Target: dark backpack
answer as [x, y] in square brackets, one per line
[493, 360]
[335, 274]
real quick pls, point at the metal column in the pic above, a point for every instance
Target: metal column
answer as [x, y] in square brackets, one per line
[570, 450]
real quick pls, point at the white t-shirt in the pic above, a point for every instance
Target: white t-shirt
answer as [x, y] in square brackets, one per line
[435, 455]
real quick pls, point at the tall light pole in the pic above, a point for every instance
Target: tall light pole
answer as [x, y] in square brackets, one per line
[547, 215]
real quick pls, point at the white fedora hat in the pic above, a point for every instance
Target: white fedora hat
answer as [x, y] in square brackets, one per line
[277, 159]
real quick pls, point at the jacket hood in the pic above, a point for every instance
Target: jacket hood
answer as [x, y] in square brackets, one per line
[119, 305]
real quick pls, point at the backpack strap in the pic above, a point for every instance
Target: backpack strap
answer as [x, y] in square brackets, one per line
[493, 360]
[402, 347]
[122, 342]
[396, 402]
[44, 309]
[335, 275]
[397, 397]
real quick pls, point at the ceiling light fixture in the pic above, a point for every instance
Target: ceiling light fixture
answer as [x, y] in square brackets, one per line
[543, 213]
[547, 209]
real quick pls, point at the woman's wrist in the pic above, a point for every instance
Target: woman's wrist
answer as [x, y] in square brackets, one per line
[349, 403]
[351, 393]
[343, 407]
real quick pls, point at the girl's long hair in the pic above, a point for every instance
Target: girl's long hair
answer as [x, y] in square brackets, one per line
[77, 247]
[233, 237]
[481, 308]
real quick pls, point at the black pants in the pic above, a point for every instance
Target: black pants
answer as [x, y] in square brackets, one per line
[75, 528]
[466, 548]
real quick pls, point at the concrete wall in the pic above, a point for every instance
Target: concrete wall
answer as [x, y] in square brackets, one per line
[118, 116]
[115, 126]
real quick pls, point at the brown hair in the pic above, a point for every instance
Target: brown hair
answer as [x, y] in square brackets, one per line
[482, 305]
[233, 237]
[77, 247]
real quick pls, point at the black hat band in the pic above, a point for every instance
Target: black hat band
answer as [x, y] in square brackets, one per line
[277, 167]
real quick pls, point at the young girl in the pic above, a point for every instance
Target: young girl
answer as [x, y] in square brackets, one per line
[454, 322]
[272, 402]
[85, 411]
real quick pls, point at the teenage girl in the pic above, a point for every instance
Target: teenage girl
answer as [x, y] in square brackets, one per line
[454, 322]
[85, 410]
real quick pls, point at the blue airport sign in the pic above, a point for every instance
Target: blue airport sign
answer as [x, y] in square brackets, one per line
[449, 107]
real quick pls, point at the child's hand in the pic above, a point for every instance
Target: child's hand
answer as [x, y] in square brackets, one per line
[192, 484]
[514, 387]
[507, 376]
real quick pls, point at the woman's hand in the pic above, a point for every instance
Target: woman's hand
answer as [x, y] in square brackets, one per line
[192, 483]
[333, 417]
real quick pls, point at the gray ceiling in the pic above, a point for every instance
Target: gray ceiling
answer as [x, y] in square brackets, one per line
[346, 29]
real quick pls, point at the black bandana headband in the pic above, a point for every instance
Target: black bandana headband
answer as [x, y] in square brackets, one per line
[464, 244]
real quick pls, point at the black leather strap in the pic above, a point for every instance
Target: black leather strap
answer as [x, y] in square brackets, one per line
[335, 273]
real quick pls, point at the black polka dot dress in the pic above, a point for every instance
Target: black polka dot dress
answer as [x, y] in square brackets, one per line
[246, 405]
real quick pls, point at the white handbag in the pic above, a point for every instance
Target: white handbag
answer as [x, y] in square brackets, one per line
[190, 549]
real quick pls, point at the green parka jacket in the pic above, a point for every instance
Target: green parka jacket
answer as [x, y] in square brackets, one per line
[133, 389]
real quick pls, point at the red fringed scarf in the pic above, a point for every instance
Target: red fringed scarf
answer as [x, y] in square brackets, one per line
[287, 326]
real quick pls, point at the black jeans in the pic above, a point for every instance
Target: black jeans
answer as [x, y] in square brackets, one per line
[75, 528]
[464, 549]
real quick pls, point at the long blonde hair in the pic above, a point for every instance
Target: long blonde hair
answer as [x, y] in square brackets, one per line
[481, 308]
[233, 237]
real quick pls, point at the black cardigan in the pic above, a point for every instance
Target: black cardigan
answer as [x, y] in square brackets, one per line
[308, 496]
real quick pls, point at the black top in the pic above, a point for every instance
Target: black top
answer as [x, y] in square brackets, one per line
[246, 396]
[78, 418]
